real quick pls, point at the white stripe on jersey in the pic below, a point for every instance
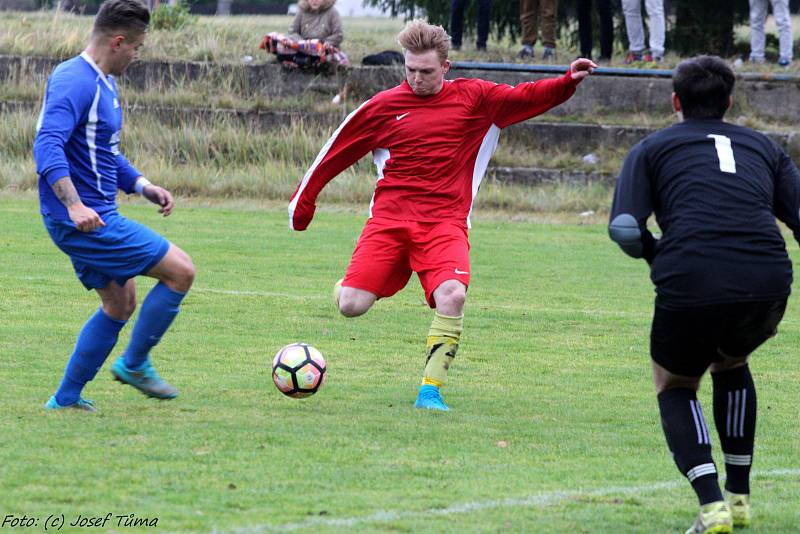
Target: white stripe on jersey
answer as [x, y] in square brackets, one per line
[488, 146]
[379, 157]
[88, 59]
[320, 157]
[91, 134]
[41, 113]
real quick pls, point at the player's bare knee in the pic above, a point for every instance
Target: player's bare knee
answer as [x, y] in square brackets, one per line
[665, 380]
[351, 307]
[188, 273]
[664, 383]
[130, 306]
[182, 275]
[120, 310]
[450, 298]
[457, 299]
[728, 364]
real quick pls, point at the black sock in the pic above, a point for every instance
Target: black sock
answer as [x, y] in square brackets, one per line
[735, 419]
[687, 436]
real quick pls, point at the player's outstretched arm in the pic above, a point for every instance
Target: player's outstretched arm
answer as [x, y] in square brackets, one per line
[506, 105]
[84, 217]
[350, 142]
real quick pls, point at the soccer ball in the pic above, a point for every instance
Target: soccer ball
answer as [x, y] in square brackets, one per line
[298, 370]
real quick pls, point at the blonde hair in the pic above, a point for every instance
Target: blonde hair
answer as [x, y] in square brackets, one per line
[419, 36]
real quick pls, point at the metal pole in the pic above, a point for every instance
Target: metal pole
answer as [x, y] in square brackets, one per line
[611, 71]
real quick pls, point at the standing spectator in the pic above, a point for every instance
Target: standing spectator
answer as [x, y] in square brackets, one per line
[606, 28]
[457, 22]
[758, 16]
[531, 13]
[633, 24]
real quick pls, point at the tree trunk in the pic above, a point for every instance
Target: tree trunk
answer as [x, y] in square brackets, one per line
[703, 27]
[224, 7]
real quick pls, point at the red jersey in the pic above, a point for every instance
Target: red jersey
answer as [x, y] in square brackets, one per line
[431, 152]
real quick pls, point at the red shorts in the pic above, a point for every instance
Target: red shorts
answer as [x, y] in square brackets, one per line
[388, 251]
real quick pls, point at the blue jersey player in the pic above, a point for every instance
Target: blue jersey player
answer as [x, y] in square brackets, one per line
[721, 271]
[80, 169]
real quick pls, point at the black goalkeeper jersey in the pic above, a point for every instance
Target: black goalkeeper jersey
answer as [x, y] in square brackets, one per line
[715, 189]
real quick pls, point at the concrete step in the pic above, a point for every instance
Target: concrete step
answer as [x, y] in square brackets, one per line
[771, 100]
[536, 134]
[530, 176]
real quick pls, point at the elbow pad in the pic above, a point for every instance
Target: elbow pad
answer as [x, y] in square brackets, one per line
[625, 232]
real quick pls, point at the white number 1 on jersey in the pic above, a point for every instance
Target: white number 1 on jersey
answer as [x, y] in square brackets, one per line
[724, 152]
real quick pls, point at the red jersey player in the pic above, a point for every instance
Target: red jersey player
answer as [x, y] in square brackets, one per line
[431, 141]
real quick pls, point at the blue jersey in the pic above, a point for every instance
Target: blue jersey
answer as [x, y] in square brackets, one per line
[78, 136]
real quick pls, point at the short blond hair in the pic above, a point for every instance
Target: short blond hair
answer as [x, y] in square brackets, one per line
[419, 36]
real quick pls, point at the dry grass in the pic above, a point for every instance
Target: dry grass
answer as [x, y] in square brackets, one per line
[233, 161]
[220, 39]
[230, 39]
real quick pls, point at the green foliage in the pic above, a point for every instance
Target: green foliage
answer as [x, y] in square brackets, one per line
[706, 27]
[700, 27]
[505, 15]
[166, 17]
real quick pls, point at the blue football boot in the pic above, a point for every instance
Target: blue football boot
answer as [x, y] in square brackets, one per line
[429, 398]
[83, 404]
[145, 380]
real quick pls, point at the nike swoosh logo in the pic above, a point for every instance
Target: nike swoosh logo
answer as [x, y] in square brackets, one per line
[458, 271]
[403, 115]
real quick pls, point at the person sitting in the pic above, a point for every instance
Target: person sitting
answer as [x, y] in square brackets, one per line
[314, 37]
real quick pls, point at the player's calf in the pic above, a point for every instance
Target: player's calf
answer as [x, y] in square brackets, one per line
[688, 438]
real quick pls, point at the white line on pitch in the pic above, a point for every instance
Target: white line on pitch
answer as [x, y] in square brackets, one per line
[539, 500]
[295, 296]
[480, 305]
[249, 293]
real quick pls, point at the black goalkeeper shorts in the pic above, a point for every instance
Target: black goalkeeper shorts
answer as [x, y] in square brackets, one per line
[685, 342]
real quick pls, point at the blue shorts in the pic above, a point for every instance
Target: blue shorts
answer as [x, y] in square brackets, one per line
[118, 251]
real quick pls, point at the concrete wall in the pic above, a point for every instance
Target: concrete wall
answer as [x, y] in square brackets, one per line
[772, 101]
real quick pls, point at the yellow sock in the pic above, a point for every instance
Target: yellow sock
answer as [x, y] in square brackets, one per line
[442, 346]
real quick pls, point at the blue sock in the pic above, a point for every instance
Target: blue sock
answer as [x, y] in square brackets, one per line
[157, 313]
[98, 336]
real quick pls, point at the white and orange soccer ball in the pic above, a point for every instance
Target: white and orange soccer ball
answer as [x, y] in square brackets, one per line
[298, 370]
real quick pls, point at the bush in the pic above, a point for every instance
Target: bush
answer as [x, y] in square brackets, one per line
[166, 17]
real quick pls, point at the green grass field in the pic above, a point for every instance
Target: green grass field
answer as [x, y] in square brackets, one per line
[554, 425]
